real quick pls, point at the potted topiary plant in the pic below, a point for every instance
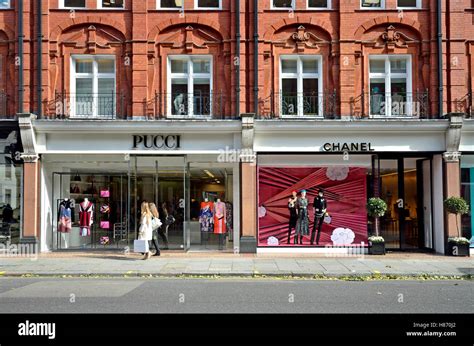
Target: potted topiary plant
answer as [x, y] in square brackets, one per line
[376, 208]
[457, 246]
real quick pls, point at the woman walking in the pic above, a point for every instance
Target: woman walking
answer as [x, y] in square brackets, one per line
[146, 230]
[163, 230]
[156, 226]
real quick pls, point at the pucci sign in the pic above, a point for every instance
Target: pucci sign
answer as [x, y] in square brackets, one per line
[348, 147]
[157, 142]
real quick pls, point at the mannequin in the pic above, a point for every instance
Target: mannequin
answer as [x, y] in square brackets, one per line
[65, 219]
[302, 224]
[206, 219]
[320, 208]
[293, 214]
[220, 221]
[86, 217]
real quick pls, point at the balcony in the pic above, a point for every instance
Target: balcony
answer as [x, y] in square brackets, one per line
[306, 105]
[190, 106]
[464, 105]
[89, 106]
[391, 105]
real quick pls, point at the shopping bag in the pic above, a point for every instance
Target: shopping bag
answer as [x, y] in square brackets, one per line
[156, 223]
[141, 246]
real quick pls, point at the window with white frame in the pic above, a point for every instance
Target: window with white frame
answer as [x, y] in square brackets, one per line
[408, 4]
[93, 87]
[390, 86]
[319, 4]
[72, 4]
[4, 4]
[208, 4]
[190, 86]
[111, 4]
[170, 4]
[372, 4]
[282, 4]
[301, 85]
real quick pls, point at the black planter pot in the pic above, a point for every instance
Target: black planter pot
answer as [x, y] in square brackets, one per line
[455, 249]
[377, 249]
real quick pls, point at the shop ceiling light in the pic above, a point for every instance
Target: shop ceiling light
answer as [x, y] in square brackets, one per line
[209, 173]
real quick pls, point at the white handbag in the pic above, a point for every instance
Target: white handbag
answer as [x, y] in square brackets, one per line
[141, 246]
[327, 219]
[156, 223]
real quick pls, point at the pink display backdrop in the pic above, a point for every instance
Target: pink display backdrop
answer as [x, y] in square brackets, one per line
[345, 191]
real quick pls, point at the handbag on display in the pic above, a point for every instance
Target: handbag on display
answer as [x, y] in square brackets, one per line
[105, 209]
[170, 220]
[104, 240]
[105, 224]
[156, 223]
[141, 246]
[77, 177]
[327, 218]
[75, 189]
[104, 193]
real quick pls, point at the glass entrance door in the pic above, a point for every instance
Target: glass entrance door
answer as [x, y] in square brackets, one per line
[160, 180]
[405, 185]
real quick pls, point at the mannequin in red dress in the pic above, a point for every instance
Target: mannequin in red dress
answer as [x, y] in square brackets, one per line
[220, 221]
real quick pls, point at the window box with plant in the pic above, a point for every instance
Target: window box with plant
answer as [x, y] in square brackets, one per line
[376, 208]
[457, 246]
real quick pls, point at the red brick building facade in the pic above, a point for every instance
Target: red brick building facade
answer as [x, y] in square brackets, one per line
[173, 60]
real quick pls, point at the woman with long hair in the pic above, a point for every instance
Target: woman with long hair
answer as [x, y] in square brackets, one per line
[146, 230]
[155, 217]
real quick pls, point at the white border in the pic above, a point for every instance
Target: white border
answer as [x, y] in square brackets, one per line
[196, 6]
[328, 6]
[291, 9]
[417, 7]
[101, 7]
[159, 7]
[62, 6]
[382, 6]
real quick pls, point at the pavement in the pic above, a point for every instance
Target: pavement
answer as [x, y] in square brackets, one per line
[117, 264]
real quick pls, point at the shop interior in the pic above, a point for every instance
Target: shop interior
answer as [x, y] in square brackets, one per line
[98, 210]
[405, 187]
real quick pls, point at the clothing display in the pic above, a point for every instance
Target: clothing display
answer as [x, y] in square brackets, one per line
[229, 220]
[219, 218]
[293, 216]
[302, 224]
[320, 206]
[206, 217]
[86, 218]
[65, 216]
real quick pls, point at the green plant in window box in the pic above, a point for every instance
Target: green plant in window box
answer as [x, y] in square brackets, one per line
[457, 246]
[376, 239]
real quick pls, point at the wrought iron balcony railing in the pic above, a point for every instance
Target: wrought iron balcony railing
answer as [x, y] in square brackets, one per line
[196, 105]
[391, 105]
[283, 105]
[464, 105]
[101, 106]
